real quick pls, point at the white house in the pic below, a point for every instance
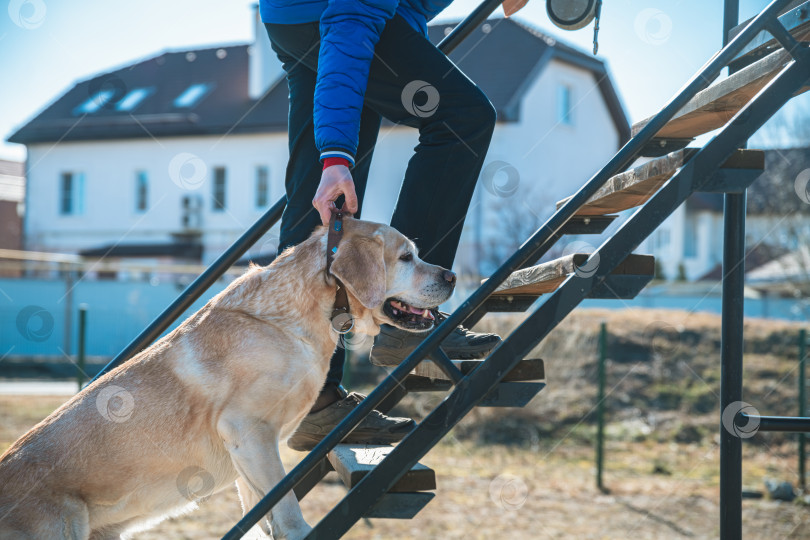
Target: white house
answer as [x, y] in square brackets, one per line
[175, 156]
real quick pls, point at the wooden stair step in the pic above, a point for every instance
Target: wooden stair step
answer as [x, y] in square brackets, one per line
[546, 277]
[353, 461]
[505, 394]
[635, 186]
[713, 107]
[531, 369]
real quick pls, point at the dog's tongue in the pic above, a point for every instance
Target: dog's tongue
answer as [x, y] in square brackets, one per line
[426, 313]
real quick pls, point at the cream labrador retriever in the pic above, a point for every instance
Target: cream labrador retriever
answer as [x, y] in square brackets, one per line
[207, 405]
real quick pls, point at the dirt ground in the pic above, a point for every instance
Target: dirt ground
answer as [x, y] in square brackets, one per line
[529, 473]
[657, 490]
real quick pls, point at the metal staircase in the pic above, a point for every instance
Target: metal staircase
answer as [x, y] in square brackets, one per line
[772, 65]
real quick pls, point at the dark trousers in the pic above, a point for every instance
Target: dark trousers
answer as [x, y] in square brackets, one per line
[441, 175]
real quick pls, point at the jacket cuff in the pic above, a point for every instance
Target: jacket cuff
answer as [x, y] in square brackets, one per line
[329, 161]
[338, 153]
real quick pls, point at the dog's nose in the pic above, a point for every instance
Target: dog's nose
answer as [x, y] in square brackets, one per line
[449, 276]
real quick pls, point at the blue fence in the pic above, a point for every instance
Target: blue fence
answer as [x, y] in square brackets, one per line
[37, 317]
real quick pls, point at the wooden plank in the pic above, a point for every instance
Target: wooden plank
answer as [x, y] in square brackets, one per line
[352, 462]
[716, 105]
[635, 186]
[399, 505]
[546, 277]
[531, 369]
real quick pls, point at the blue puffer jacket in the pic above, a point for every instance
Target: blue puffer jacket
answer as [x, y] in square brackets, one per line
[350, 30]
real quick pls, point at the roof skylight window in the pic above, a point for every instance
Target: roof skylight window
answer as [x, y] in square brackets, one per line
[192, 95]
[96, 102]
[132, 99]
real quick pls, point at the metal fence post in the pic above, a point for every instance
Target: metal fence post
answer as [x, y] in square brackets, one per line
[802, 404]
[80, 361]
[600, 408]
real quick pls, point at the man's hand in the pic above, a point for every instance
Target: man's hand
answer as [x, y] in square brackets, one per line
[335, 181]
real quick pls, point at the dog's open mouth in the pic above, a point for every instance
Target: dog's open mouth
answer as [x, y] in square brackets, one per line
[407, 316]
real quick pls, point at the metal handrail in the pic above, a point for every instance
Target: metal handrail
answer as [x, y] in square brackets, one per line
[535, 247]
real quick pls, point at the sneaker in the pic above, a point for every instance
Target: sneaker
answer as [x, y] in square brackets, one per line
[376, 428]
[392, 345]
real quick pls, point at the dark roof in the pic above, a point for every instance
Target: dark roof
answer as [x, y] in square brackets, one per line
[504, 65]
[754, 258]
[512, 56]
[774, 192]
[168, 75]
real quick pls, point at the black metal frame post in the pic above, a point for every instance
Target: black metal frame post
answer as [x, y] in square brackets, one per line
[731, 340]
[513, 349]
[731, 363]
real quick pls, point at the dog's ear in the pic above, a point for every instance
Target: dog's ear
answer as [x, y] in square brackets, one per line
[360, 264]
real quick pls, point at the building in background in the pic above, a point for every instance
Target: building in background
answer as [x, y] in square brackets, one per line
[173, 157]
[689, 244]
[12, 197]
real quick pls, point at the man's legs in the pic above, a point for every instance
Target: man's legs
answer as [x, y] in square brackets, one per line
[298, 52]
[453, 136]
[441, 176]
[455, 121]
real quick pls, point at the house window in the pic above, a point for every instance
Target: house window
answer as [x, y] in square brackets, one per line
[141, 191]
[219, 189]
[96, 102]
[132, 99]
[71, 194]
[192, 95]
[564, 105]
[262, 186]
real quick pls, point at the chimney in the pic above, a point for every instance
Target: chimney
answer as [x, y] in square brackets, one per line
[265, 67]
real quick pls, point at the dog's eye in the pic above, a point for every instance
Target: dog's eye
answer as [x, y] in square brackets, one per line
[407, 257]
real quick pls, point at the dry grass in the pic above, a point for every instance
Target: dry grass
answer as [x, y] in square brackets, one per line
[541, 484]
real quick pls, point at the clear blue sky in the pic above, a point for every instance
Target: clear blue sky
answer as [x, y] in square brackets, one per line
[652, 47]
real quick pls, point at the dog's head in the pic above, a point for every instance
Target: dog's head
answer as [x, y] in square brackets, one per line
[382, 271]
